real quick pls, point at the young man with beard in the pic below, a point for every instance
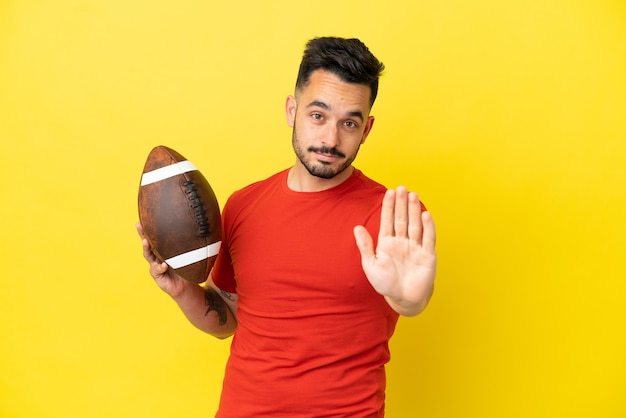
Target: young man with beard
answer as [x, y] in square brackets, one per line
[317, 262]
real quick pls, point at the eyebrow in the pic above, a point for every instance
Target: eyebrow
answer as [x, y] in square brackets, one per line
[353, 113]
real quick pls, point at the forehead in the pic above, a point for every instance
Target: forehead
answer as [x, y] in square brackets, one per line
[326, 87]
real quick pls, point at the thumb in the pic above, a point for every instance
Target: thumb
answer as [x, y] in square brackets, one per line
[364, 242]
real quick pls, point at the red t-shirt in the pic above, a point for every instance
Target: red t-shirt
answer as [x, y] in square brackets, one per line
[312, 338]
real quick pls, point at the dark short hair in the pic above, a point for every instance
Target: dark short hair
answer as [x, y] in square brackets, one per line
[348, 59]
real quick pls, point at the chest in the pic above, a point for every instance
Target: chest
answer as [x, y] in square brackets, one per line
[299, 253]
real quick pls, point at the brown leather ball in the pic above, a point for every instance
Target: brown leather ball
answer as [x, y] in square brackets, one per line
[179, 214]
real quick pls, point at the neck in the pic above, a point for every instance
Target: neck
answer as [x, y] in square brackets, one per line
[300, 180]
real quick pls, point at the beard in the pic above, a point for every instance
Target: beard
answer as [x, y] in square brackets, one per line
[316, 168]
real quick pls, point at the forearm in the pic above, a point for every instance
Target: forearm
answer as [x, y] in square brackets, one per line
[206, 310]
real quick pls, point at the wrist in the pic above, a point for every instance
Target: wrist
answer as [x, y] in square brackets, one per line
[183, 291]
[407, 307]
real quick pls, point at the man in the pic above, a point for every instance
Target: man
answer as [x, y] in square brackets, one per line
[311, 299]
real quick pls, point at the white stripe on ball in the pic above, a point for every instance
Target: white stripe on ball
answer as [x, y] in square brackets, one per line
[194, 256]
[167, 172]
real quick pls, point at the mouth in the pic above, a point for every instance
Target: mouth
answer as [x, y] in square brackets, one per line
[326, 154]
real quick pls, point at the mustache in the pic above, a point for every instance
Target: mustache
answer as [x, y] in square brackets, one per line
[327, 150]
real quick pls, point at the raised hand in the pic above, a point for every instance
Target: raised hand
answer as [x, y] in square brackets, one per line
[402, 267]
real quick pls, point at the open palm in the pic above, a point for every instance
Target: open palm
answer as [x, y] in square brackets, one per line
[402, 267]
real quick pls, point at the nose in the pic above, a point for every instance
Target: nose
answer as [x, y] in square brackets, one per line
[330, 136]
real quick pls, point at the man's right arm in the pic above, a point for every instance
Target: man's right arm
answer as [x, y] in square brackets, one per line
[206, 307]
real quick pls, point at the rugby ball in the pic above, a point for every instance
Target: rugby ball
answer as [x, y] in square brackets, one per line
[179, 214]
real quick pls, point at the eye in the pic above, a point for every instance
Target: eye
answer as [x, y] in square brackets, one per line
[317, 116]
[350, 124]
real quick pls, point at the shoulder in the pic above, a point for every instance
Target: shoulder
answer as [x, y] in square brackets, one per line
[361, 196]
[364, 190]
[257, 188]
[373, 186]
[367, 183]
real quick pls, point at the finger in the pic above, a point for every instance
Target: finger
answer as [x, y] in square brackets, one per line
[386, 214]
[415, 218]
[430, 237]
[159, 268]
[148, 254]
[147, 251]
[365, 243]
[401, 210]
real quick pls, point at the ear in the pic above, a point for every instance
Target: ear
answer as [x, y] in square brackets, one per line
[290, 110]
[368, 128]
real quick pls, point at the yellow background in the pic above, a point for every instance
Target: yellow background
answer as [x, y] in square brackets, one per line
[508, 117]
